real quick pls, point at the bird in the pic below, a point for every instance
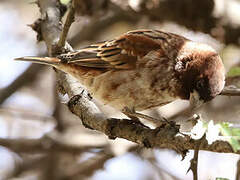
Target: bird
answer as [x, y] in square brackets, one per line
[143, 69]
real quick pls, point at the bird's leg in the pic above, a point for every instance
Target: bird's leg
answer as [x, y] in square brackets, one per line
[131, 113]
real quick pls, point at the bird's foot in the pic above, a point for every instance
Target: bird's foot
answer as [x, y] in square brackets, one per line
[131, 113]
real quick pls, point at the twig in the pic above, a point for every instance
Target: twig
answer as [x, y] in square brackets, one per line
[23, 114]
[162, 172]
[150, 156]
[25, 78]
[29, 164]
[230, 91]
[42, 145]
[66, 27]
[238, 170]
[49, 171]
[89, 166]
[50, 26]
[194, 160]
[57, 112]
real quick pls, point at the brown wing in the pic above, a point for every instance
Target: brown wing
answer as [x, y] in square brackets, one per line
[120, 53]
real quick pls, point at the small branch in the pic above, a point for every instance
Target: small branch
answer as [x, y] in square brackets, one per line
[25, 78]
[57, 112]
[66, 27]
[194, 160]
[49, 171]
[42, 145]
[29, 164]
[233, 81]
[230, 91]
[26, 115]
[88, 167]
[50, 25]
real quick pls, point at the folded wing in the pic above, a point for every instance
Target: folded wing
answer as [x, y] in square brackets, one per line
[120, 53]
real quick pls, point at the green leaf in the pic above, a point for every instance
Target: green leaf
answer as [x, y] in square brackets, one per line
[234, 143]
[65, 1]
[234, 71]
[219, 178]
[225, 129]
[233, 135]
[236, 131]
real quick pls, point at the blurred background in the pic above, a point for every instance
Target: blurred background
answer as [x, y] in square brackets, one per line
[30, 106]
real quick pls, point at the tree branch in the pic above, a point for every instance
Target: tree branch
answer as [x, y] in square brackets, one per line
[66, 27]
[42, 145]
[230, 91]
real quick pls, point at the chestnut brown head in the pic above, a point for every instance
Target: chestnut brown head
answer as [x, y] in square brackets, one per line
[202, 72]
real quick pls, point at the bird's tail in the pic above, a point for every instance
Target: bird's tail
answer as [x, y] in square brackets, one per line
[52, 61]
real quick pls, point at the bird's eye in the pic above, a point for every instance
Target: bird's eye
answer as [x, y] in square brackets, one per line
[200, 84]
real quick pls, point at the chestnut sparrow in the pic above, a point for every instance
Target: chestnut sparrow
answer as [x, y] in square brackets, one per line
[143, 69]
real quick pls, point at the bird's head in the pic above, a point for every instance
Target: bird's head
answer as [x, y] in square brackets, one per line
[202, 72]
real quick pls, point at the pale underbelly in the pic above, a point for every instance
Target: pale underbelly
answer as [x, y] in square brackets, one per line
[129, 90]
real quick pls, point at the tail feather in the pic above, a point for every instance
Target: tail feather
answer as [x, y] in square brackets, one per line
[40, 60]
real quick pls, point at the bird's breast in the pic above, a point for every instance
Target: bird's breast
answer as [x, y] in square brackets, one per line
[139, 89]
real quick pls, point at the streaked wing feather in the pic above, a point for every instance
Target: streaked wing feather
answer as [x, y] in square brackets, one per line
[120, 53]
[94, 64]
